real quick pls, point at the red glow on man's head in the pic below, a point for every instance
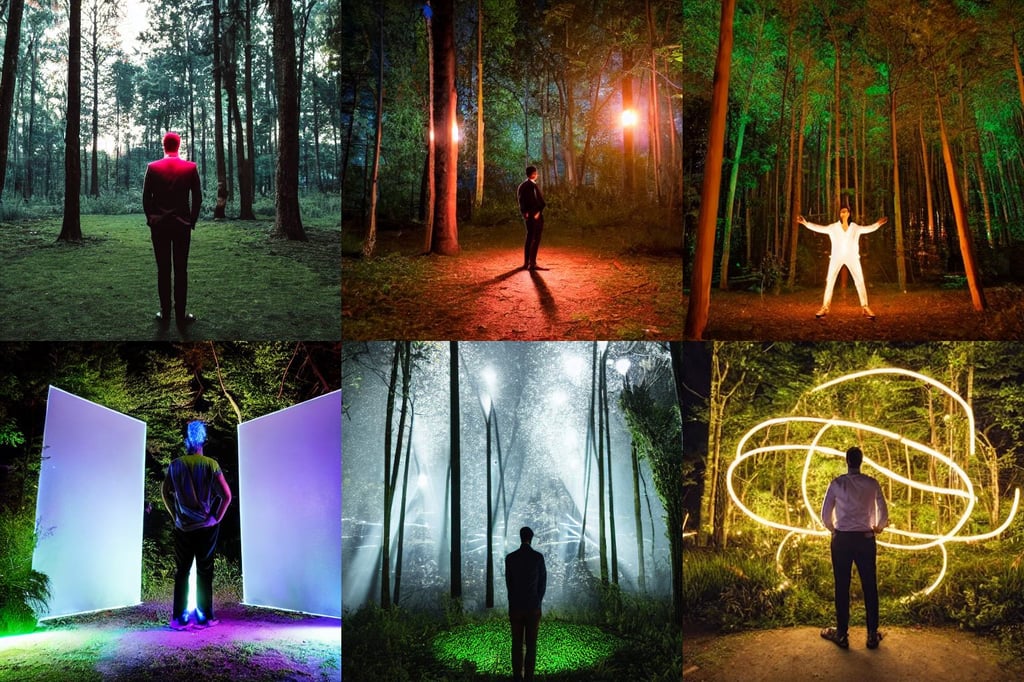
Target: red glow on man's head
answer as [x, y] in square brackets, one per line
[171, 142]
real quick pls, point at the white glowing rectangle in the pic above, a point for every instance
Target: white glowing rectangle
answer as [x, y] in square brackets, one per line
[89, 509]
[289, 502]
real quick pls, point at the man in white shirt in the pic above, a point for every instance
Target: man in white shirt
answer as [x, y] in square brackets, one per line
[855, 511]
[845, 237]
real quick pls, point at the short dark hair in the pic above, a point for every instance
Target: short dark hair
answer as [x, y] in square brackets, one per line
[854, 457]
[530, 170]
[172, 141]
[526, 534]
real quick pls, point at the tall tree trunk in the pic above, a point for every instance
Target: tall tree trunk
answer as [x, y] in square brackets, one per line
[927, 179]
[385, 533]
[401, 514]
[478, 197]
[794, 227]
[1016, 68]
[897, 210]
[11, 46]
[700, 287]
[628, 181]
[71, 227]
[428, 237]
[489, 572]
[641, 575]
[218, 118]
[655, 132]
[979, 169]
[250, 142]
[370, 242]
[445, 232]
[94, 55]
[966, 243]
[608, 459]
[601, 506]
[455, 459]
[287, 222]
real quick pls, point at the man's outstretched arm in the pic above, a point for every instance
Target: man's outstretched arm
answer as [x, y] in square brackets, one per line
[874, 226]
[812, 226]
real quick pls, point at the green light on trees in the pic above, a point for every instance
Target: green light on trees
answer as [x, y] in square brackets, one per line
[561, 647]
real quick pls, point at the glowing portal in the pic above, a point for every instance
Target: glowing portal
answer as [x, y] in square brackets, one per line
[628, 118]
[908, 540]
[289, 494]
[89, 508]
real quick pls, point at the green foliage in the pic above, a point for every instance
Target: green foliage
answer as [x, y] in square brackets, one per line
[730, 590]
[23, 591]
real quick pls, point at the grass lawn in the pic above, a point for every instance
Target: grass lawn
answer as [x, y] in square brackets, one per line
[243, 284]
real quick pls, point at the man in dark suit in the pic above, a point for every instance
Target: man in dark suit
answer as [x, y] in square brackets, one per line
[171, 219]
[531, 205]
[526, 579]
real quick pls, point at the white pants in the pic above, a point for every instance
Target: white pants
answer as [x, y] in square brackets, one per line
[853, 265]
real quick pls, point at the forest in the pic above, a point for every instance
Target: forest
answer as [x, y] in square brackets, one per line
[165, 386]
[908, 110]
[444, 107]
[88, 90]
[451, 447]
[767, 425]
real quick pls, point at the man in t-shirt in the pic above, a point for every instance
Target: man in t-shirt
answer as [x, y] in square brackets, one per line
[197, 496]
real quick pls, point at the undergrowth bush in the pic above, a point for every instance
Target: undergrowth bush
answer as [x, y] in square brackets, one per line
[23, 591]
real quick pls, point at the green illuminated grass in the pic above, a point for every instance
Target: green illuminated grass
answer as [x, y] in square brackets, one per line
[561, 647]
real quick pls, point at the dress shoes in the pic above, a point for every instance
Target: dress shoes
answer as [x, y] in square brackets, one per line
[163, 319]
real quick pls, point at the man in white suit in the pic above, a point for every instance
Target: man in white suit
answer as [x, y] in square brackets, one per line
[845, 238]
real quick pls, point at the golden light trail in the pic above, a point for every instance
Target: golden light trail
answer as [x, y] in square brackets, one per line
[815, 448]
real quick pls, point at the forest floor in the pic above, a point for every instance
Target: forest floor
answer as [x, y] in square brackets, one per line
[243, 284]
[922, 314]
[799, 653]
[599, 285]
[135, 644]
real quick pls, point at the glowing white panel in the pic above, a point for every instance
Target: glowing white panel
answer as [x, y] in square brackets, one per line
[289, 502]
[90, 506]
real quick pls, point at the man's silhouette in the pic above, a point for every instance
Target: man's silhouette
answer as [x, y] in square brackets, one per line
[855, 511]
[171, 219]
[531, 205]
[197, 496]
[526, 579]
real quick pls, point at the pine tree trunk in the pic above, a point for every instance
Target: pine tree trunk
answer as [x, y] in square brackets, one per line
[370, 242]
[71, 227]
[455, 438]
[700, 287]
[478, 197]
[7, 83]
[287, 222]
[445, 231]
[219, 210]
[897, 210]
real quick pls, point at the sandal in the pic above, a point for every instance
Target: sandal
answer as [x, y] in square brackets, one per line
[842, 641]
[874, 638]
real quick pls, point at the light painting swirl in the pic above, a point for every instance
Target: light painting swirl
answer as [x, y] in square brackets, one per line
[899, 539]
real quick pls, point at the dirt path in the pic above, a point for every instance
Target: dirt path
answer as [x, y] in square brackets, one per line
[135, 644]
[917, 315]
[592, 289]
[796, 654]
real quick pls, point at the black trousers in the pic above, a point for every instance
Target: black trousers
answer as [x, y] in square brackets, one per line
[170, 245]
[524, 631]
[849, 548]
[199, 545]
[534, 227]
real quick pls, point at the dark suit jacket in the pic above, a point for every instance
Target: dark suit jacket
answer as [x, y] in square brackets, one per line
[530, 199]
[165, 192]
[526, 579]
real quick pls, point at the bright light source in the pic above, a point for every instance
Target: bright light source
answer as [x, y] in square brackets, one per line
[485, 402]
[422, 481]
[490, 377]
[574, 365]
[455, 131]
[622, 366]
[559, 397]
[966, 492]
[628, 118]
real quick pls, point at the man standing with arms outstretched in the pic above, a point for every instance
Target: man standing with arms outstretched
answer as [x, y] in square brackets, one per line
[845, 238]
[171, 218]
[526, 579]
[855, 511]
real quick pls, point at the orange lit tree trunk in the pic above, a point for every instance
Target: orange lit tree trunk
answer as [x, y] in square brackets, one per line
[445, 232]
[966, 243]
[428, 213]
[897, 210]
[700, 283]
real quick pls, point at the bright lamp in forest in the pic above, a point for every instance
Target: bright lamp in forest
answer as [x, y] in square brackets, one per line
[822, 438]
[628, 118]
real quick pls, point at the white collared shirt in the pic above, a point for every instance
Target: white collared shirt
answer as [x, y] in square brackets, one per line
[854, 502]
